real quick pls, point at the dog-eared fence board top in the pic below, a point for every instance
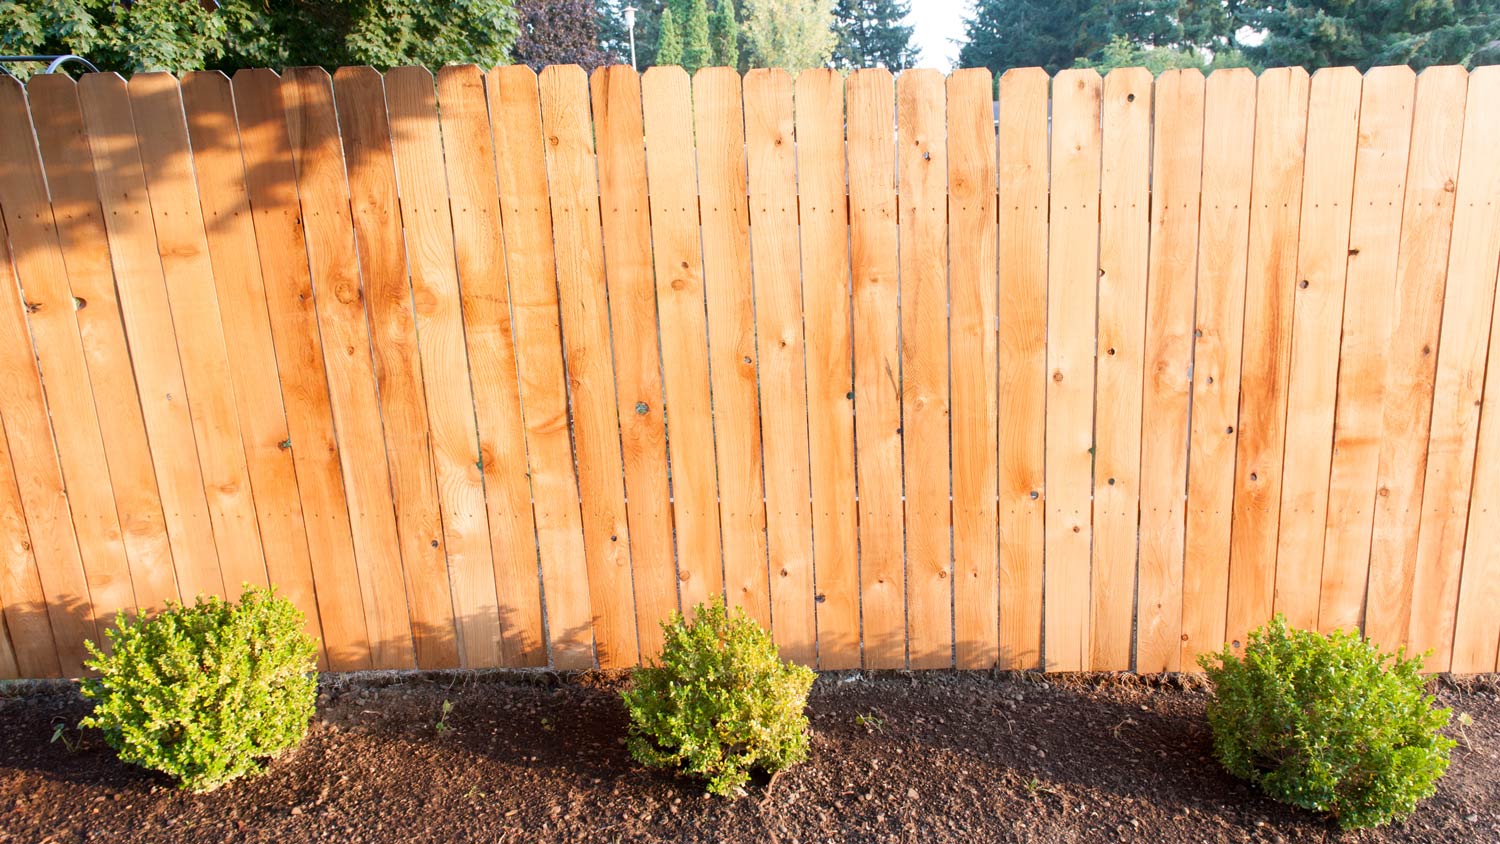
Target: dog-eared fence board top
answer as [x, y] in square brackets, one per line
[503, 368]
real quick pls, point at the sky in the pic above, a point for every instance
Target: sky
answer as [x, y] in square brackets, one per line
[938, 23]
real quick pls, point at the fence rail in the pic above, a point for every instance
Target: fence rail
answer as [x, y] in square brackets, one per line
[499, 368]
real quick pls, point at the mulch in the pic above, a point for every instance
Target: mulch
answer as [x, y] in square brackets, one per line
[896, 757]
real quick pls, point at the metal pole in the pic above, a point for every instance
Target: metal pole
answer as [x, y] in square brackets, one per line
[630, 25]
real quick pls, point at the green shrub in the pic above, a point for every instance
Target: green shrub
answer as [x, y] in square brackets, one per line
[721, 703]
[1328, 723]
[204, 693]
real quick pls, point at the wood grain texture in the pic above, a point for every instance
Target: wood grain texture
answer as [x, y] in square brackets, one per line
[1281, 103]
[771, 160]
[672, 176]
[574, 190]
[218, 165]
[408, 427]
[719, 124]
[28, 607]
[416, 139]
[479, 254]
[1333, 128]
[521, 171]
[1473, 257]
[625, 217]
[1124, 237]
[972, 338]
[871, 116]
[1411, 354]
[826, 307]
[1072, 313]
[1178, 169]
[181, 241]
[68, 166]
[339, 299]
[1476, 632]
[46, 317]
[270, 179]
[1022, 359]
[1223, 243]
[1374, 237]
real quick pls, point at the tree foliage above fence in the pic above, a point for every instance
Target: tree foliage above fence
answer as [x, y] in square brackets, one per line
[184, 35]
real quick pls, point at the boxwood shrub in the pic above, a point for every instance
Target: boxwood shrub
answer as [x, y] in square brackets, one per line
[1329, 723]
[206, 692]
[720, 704]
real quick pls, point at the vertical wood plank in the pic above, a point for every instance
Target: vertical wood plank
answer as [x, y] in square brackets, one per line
[479, 247]
[1333, 127]
[225, 201]
[28, 612]
[409, 441]
[1223, 243]
[672, 177]
[1469, 301]
[1124, 236]
[1411, 353]
[771, 159]
[720, 128]
[1370, 288]
[1178, 168]
[822, 192]
[411, 100]
[45, 316]
[1281, 102]
[1022, 357]
[871, 98]
[1072, 312]
[626, 222]
[69, 170]
[166, 161]
[270, 179]
[574, 189]
[154, 343]
[922, 176]
[972, 337]
[515, 124]
[339, 299]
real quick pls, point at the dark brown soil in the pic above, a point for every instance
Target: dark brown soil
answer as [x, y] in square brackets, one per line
[903, 758]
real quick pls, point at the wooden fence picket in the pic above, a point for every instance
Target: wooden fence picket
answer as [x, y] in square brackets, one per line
[871, 115]
[1223, 243]
[377, 209]
[1124, 235]
[1411, 355]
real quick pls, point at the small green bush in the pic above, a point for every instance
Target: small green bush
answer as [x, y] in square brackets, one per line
[204, 693]
[1328, 723]
[721, 703]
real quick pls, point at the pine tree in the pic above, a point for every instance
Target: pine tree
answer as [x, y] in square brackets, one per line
[696, 51]
[724, 35]
[668, 42]
[871, 34]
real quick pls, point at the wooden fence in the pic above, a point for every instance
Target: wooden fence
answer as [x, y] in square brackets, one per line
[501, 369]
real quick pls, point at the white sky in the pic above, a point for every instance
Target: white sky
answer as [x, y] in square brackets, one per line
[938, 23]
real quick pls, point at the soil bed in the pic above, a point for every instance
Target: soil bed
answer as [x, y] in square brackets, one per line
[935, 757]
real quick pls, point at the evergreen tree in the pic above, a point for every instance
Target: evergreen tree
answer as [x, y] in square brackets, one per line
[871, 34]
[1323, 33]
[668, 42]
[1003, 34]
[724, 35]
[791, 34]
[696, 51]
